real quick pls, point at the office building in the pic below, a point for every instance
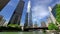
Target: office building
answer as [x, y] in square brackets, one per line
[26, 21]
[56, 12]
[48, 21]
[30, 24]
[16, 17]
[1, 17]
[3, 3]
[52, 15]
[43, 24]
[57, 9]
[35, 24]
[2, 21]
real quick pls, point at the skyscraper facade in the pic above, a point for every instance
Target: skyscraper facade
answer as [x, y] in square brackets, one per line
[3, 3]
[56, 12]
[2, 21]
[26, 21]
[30, 24]
[16, 17]
[48, 21]
[43, 24]
[52, 14]
[57, 9]
[1, 17]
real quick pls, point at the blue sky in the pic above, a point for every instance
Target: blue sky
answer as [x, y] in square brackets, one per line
[39, 9]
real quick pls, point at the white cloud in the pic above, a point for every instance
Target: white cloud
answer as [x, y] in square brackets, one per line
[58, 2]
[39, 12]
[39, 9]
[44, 2]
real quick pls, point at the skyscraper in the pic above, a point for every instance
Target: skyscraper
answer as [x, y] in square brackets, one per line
[3, 3]
[2, 21]
[56, 13]
[43, 24]
[26, 21]
[16, 17]
[1, 17]
[30, 24]
[35, 24]
[48, 21]
[52, 15]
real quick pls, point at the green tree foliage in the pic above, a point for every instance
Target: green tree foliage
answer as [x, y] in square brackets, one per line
[52, 26]
[13, 25]
[58, 13]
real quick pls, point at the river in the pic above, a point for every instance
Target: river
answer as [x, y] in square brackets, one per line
[34, 32]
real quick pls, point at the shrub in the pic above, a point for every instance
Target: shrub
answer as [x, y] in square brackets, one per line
[52, 26]
[13, 25]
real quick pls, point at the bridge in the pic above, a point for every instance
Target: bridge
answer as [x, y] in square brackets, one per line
[37, 28]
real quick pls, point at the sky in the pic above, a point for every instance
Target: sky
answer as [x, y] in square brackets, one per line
[39, 9]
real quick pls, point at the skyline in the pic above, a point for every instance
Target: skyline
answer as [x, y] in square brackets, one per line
[41, 7]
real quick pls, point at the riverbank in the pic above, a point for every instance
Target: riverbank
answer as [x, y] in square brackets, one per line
[9, 29]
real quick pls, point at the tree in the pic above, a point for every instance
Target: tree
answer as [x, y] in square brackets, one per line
[52, 26]
[13, 25]
[58, 13]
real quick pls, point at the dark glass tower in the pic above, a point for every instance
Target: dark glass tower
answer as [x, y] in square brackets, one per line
[16, 17]
[30, 24]
[26, 21]
[56, 13]
[43, 24]
[3, 3]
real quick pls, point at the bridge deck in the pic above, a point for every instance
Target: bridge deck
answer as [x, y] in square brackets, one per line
[44, 28]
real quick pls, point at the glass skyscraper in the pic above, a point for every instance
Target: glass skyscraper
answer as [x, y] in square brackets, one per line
[16, 17]
[26, 21]
[3, 3]
[56, 12]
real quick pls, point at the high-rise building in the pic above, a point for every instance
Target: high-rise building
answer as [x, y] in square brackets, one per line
[1, 17]
[56, 12]
[26, 21]
[30, 24]
[48, 21]
[3, 3]
[43, 24]
[52, 14]
[16, 17]
[2, 21]
[35, 24]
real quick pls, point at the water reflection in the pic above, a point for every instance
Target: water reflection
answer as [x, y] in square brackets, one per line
[20, 32]
[33, 32]
[38, 32]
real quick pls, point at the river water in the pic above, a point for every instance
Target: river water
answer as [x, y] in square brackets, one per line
[34, 32]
